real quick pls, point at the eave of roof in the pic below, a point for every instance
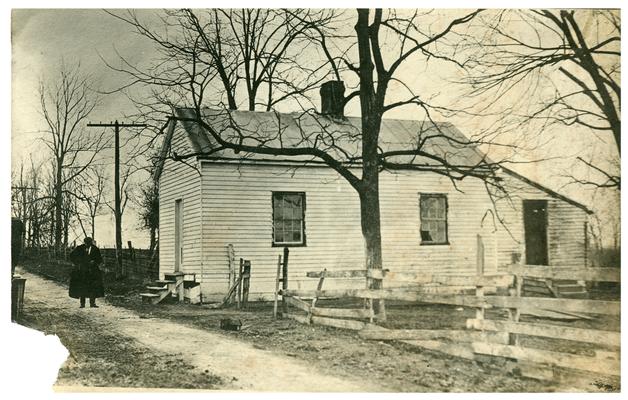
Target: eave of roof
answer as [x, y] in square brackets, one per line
[547, 190]
[165, 146]
[195, 137]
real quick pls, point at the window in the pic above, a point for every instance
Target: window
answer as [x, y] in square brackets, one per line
[288, 218]
[433, 211]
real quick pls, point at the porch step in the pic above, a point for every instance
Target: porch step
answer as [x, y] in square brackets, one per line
[536, 290]
[156, 289]
[156, 294]
[581, 294]
[562, 288]
[559, 282]
[162, 288]
[151, 298]
[576, 295]
[570, 289]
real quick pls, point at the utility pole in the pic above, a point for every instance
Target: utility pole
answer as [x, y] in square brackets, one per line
[117, 125]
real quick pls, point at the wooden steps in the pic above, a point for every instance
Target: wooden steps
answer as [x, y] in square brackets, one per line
[164, 281]
[156, 289]
[149, 297]
[571, 289]
[171, 285]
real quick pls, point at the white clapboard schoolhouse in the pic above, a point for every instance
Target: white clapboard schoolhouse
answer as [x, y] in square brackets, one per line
[259, 204]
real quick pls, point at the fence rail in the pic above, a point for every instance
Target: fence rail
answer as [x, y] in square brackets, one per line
[482, 336]
[138, 263]
[567, 273]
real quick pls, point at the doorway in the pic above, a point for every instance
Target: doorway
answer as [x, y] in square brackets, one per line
[178, 234]
[535, 227]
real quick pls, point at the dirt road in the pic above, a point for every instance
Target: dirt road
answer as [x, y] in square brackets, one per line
[240, 365]
[132, 344]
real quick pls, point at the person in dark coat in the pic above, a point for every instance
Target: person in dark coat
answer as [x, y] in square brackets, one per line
[86, 279]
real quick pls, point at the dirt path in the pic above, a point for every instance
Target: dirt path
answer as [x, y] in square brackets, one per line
[241, 365]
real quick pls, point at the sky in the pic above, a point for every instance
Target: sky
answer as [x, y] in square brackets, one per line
[44, 38]
[41, 39]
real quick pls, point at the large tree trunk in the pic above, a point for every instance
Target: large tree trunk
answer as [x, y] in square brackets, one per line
[66, 229]
[370, 218]
[369, 194]
[371, 107]
[369, 208]
[58, 219]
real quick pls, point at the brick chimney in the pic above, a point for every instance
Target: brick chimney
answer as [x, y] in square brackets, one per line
[332, 99]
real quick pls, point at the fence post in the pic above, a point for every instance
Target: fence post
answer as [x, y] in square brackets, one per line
[515, 313]
[479, 289]
[232, 269]
[131, 250]
[319, 287]
[284, 282]
[479, 312]
[246, 279]
[277, 279]
[239, 288]
[133, 261]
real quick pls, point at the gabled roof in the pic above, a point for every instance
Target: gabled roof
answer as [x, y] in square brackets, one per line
[546, 190]
[341, 138]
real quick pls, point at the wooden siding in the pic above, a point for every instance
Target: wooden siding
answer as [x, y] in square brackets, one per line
[237, 209]
[180, 181]
[566, 236]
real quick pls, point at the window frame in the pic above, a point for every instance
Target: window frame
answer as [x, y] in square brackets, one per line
[303, 242]
[440, 196]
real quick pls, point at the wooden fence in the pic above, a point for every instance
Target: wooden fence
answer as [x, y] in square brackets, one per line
[137, 263]
[497, 336]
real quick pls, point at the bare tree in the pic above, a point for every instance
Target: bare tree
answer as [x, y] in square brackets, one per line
[66, 103]
[147, 201]
[19, 189]
[28, 202]
[385, 42]
[91, 191]
[126, 188]
[249, 52]
[563, 66]
[37, 207]
[69, 211]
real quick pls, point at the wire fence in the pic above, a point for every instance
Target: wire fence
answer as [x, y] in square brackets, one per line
[137, 263]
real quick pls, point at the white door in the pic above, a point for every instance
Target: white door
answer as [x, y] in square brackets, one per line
[178, 234]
